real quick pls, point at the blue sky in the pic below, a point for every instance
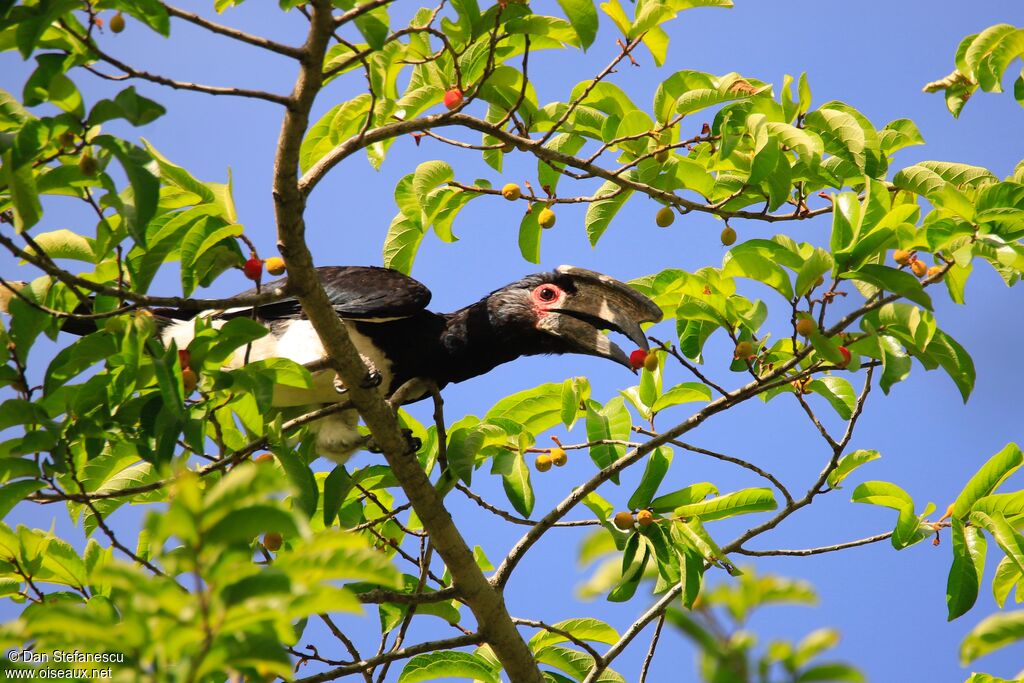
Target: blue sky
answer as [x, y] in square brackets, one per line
[875, 56]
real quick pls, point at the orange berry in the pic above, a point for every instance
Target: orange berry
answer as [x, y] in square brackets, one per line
[728, 236]
[645, 518]
[272, 541]
[919, 268]
[543, 462]
[623, 520]
[274, 265]
[902, 256]
[651, 362]
[744, 350]
[665, 217]
[805, 327]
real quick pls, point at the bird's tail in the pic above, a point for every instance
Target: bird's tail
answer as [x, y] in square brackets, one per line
[83, 326]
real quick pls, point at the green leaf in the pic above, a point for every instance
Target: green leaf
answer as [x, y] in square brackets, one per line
[657, 466]
[998, 630]
[301, 478]
[988, 478]
[742, 262]
[1007, 575]
[684, 496]
[967, 569]
[686, 392]
[819, 263]
[13, 493]
[742, 502]
[64, 244]
[145, 186]
[448, 664]
[841, 133]
[244, 524]
[402, 243]
[529, 235]
[892, 280]
[609, 423]
[515, 477]
[848, 463]
[583, 16]
[536, 410]
[1009, 539]
[601, 211]
[892, 496]
[428, 176]
[838, 392]
[585, 628]
[831, 671]
[21, 186]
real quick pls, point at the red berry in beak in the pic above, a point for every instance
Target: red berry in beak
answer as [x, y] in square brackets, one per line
[846, 356]
[184, 358]
[637, 358]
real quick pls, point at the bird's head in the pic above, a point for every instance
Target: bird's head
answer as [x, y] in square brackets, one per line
[570, 308]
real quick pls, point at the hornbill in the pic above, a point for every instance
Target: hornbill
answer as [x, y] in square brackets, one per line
[407, 347]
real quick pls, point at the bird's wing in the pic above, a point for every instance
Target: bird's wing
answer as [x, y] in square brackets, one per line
[355, 292]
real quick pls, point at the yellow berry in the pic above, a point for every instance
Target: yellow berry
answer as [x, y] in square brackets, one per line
[274, 265]
[661, 156]
[902, 256]
[543, 462]
[744, 350]
[559, 457]
[728, 236]
[546, 218]
[665, 217]
[805, 327]
[88, 165]
[189, 379]
[623, 520]
[645, 518]
[651, 362]
[919, 268]
[511, 192]
[935, 272]
[117, 23]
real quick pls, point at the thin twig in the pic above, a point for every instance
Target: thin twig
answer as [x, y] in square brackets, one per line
[242, 36]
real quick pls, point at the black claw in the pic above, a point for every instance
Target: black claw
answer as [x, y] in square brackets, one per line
[413, 443]
[373, 379]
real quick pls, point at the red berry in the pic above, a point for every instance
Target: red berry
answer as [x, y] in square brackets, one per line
[253, 268]
[637, 358]
[453, 98]
[184, 358]
[846, 356]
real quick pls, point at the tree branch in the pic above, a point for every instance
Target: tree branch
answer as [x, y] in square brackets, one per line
[170, 82]
[814, 551]
[357, 667]
[242, 36]
[486, 603]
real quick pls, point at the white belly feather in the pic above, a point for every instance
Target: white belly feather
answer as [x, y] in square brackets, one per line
[337, 436]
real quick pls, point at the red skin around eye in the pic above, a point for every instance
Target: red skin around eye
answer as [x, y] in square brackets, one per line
[542, 304]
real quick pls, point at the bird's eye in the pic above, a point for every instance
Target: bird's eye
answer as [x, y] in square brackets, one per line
[546, 294]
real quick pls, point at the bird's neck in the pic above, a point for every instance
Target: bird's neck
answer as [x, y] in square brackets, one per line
[474, 342]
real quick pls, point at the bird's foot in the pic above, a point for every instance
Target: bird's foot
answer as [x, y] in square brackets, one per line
[412, 443]
[373, 379]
